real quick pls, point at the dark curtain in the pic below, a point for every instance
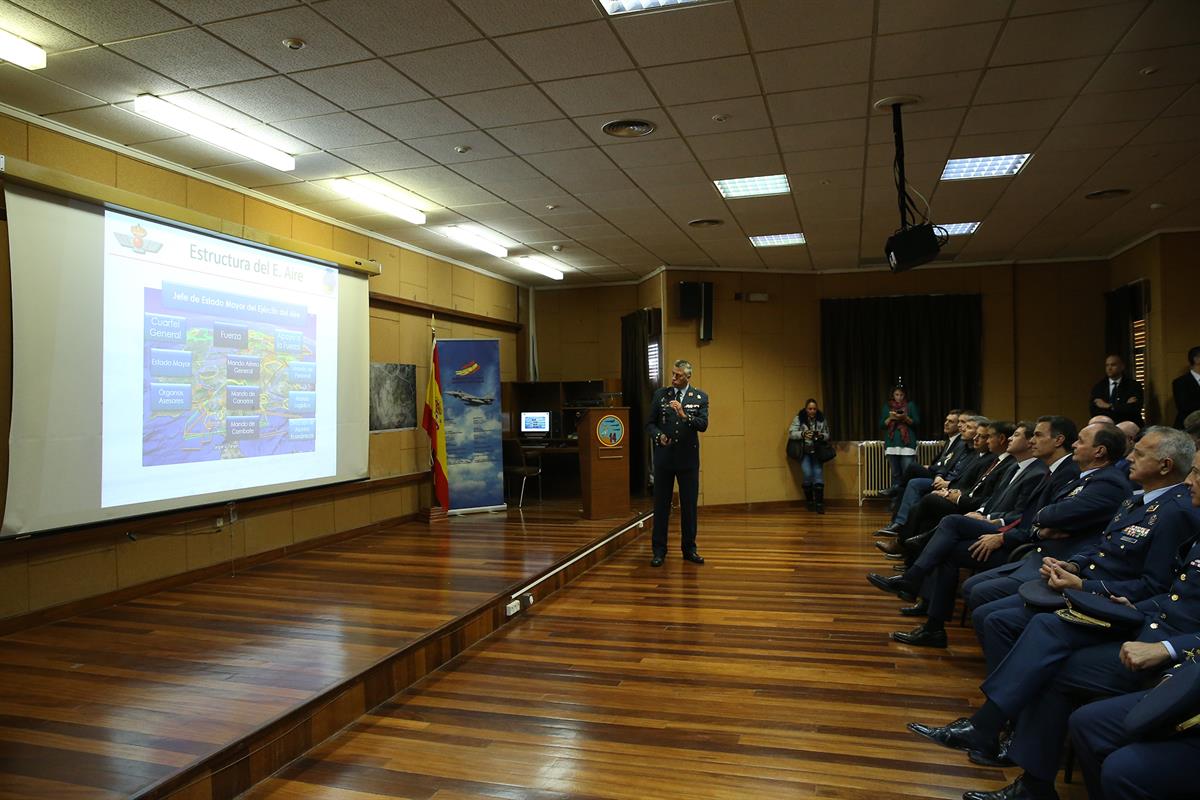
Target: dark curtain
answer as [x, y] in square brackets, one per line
[637, 330]
[1121, 307]
[930, 343]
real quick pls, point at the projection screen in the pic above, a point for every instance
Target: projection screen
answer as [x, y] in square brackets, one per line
[158, 366]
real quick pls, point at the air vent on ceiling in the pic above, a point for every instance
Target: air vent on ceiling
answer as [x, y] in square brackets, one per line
[706, 223]
[629, 128]
[1105, 194]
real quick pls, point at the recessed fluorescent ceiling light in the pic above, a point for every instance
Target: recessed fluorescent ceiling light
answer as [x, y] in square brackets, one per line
[961, 169]
[192, 123]
[542, 266]
[473, 236]
[753, 187]
[614, 7]
[378, 200]
[960, 228]
[16, 50]
[777, 240]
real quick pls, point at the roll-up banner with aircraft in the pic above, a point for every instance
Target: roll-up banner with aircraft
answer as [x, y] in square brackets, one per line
[470, 372]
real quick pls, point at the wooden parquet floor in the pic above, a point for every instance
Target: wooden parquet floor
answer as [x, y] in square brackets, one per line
[107, 704]
[766, 673]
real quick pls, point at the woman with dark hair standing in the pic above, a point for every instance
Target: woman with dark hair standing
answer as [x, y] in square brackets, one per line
[809, 428]
[899, 422]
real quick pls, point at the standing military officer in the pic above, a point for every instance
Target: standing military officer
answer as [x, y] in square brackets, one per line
[679, 413]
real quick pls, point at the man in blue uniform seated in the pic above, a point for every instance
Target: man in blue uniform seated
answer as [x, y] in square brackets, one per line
[1142, 744]
[1056, 660]
[1134, 557]
[678, 414]
[978, 536]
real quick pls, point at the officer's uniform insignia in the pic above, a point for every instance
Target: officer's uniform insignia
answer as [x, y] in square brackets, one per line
[1150, 520]
[1150, 509]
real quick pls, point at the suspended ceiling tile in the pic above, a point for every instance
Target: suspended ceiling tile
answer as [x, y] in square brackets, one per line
[104, 74]
[820, 181]
[250, 174]
[276, 138]
[649, 153]
[1164, 23]
[1086, 32]
[1023, 116]
[949, 90]
[192, 57]
[299, 193]
[478, 146]
[115, 124]
[1075, 137]
[902, 16]
[593, 125]
[272, 99]
[262, 35]
[1123, 71]
[1093, 109]
[1170, 129]
[934, 51]
[833, 158]
[1187, 103]
[315, 166]
[499, 17]
[821, 135]
[599, 94]
[916, 124]
[720, 116]
[633, 201]
[383, 157]
[520, 190]
[461, 68]
[540, 137]
[743, 166]
[919, 152]
[389, 27]
[498, 107]
[606, 181]
[566, 162]
[815, 66]
[332, 131]
[650, 178]
[696, 81]
[202, 11]
[1036, 81]
[819, 105]
[736, 144]
[991, 144]
[773, 24]
[685, 34]
[31, 92]
[567, 52]
[416, 120]
[42, 32]
[107, 21]
[188, 152]
[365, 84]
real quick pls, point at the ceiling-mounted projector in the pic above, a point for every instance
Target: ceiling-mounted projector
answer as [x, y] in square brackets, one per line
[911, 247]
[914, 243]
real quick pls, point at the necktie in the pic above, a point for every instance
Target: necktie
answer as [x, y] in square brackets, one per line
[1112, 391]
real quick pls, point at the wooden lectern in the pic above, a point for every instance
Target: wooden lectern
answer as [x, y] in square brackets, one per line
[604, 438]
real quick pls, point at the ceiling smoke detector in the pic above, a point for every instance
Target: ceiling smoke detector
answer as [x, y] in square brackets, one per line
[706, 222]
[294, 43]
[1105, 194]
[462, 148]
[629, 128]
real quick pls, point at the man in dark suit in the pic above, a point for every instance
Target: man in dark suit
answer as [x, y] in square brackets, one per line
[980, 536]
[678, 414]
[959, 428]
[1186, 389]
[1056, 660]
[1116, 395]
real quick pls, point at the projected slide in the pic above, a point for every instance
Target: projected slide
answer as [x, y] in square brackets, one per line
[220, 364]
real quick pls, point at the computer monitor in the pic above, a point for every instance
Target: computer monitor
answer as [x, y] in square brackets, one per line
[535, 424]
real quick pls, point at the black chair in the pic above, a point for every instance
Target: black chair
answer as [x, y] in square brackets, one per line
[515, 466]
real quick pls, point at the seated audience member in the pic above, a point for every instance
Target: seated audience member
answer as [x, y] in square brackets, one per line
[1070, 522]
[1135, 555]
[1056, 659]
[1191, 426]
[949, 465]
[1186, 389]
[1101, 419]
[966, 493]
[1116, 394]
[981, 536]
[1119, 765]
[1131, 431]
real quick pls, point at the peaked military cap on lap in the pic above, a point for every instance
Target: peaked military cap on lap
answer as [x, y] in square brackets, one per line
[1173, 705]
[1096, 611]
[1038, 595]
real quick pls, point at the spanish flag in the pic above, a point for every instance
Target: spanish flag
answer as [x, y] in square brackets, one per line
[434, 423]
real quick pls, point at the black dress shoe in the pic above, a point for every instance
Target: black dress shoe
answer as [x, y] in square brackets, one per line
[958, 735]
[657, 561]
[920, 609]
[915, 544]
[896, 585]
[1017, 790]
[921, 636]
[890, 549]
[992, 758]
[891, 530]
[693, 557]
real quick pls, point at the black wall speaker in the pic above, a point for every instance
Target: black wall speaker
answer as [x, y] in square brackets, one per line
[696, 302]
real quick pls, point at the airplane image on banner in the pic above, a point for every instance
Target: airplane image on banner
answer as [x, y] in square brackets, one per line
[471, 399]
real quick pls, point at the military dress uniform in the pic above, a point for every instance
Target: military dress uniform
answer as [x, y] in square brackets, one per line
[1134, 558]
[678, 460]
[1054, 662]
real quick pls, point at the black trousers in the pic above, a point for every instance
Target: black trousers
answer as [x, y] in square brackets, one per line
[665, 476]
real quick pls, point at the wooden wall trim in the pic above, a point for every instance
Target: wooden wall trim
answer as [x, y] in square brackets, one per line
[380, 300]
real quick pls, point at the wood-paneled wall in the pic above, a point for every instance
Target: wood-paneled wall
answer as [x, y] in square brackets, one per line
[68, 570]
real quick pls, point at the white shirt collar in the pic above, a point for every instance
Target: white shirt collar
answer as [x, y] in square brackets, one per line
[1023, 464]
[1058, 463]
[1195, 375]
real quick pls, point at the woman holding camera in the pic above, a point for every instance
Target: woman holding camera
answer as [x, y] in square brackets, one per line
[810, 430]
